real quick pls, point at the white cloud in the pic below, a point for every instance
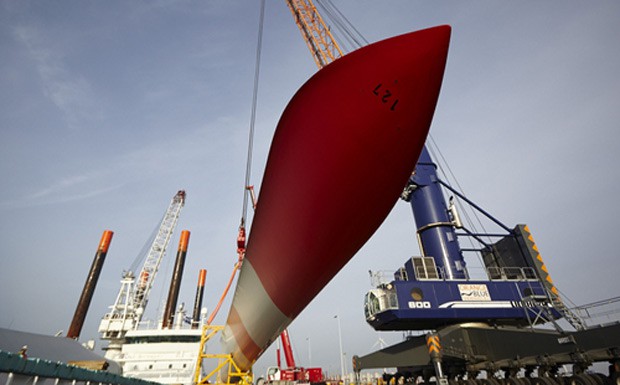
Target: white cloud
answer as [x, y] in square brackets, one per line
[68, 91]
[63, 190]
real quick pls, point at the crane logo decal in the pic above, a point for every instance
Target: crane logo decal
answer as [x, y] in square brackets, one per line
[474, 292]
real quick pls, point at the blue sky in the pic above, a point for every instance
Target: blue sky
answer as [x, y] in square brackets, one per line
[108, 108]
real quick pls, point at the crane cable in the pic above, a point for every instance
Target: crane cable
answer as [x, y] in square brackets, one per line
[355, 39]
[341, 24]
[248, 166]
[247, 189]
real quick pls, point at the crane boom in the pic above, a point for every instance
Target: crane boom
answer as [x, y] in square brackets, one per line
[126, 312]
[316, 34]
[157, 251]
[288, 349]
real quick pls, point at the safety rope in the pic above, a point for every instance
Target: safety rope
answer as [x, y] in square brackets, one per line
[224, 294]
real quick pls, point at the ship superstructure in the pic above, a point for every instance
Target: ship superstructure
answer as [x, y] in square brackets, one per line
[164, 355]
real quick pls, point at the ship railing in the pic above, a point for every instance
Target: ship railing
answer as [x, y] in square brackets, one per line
[383, 277]
[431, 272]
[184, 375]
[17, 370]
[146, 324]
[599, 312]
[511, 274]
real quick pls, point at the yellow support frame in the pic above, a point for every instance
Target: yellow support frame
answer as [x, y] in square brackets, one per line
[223, 360]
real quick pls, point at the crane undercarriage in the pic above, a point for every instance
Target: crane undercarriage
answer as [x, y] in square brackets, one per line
[477, 353]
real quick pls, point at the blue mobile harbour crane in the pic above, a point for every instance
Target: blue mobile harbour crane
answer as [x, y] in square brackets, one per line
[479, 327]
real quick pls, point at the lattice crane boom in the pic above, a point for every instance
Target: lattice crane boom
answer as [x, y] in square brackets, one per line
[315, 32]
[126, 312]
[157, 252]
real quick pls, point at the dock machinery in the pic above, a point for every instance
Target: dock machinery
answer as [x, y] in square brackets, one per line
[490, 325]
